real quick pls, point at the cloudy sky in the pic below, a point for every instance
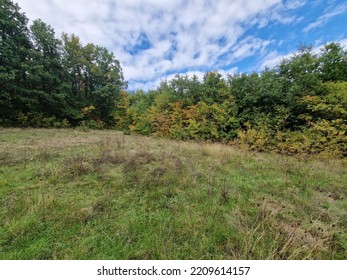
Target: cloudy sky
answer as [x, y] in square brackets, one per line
[154, 39]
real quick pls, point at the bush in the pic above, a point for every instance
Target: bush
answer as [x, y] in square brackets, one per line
[257, 139]
[326, 138]
[91, 124]
[62, 124]
[40, 121]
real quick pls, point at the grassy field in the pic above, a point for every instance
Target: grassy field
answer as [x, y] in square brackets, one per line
[71, 194]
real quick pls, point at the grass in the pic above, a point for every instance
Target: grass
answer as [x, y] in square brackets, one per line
[70, 194]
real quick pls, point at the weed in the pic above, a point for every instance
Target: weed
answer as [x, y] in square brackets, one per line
[224, 194]
[77, 166]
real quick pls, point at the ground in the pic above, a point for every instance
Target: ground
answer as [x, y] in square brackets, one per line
[99, 194]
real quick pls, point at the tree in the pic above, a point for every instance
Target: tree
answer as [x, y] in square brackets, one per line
[333, 63]
[42, 77]
[15, 50]
[300, 72]
[45, 71]
[300, 76]
[107, 81]
[214, 88]
[95, 77]
[179, 85]
[245, 89]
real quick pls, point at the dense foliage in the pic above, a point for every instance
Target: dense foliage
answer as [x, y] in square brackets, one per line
[299, 106]
[46, 81]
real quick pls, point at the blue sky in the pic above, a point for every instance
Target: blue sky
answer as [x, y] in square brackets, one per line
[155, 39]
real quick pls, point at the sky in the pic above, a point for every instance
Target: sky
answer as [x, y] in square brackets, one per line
[156, 39]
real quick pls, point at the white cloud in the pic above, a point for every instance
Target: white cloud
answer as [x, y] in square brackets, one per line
[147, 85]
[273, 58]
[343, 43]
[331, 13]
[184, 35]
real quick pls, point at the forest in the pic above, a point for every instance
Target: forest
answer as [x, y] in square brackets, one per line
[297, 107]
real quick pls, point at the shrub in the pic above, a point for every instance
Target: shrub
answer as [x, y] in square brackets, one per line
[62, 124]
[39, 120]
[257, 139]
[327, 138]
[91, 124]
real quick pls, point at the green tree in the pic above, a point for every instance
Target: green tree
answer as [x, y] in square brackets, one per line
[333, 63]
[15, 50]
[300, 76]
[45, 70]
[95, 77]
[214, 88]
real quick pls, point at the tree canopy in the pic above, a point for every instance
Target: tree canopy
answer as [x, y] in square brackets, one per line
[45, 79]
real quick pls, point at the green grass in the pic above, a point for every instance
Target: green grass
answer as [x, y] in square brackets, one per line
[70, 194]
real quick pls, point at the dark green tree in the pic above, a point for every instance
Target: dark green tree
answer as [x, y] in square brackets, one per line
[300, 77]
[45, 70]
[15, 51]
[333, 63]
[214, 88]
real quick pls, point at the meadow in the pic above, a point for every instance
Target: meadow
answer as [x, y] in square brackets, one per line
[100, 194]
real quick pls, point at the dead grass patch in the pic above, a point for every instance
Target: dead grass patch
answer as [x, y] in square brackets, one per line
[77, 166]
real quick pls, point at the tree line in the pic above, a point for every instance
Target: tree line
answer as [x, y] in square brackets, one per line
[46, 81]
[298, 106]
